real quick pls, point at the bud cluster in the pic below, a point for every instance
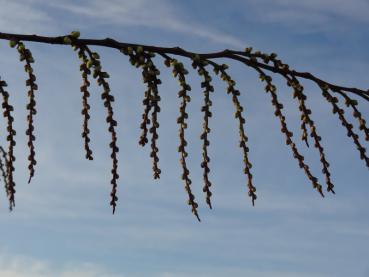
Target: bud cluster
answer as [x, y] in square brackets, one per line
[142, 59]
[271, 89]
[85, 72]
[200, 65]
[357, 114]
[349, 127]
[305, 112]
[3, 162]
[306, 119]
[101, 76]
[221, 69]
[26, 56]
[179, 72]
[7, 110]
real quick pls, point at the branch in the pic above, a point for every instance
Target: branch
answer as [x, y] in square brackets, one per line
[141, 56]
[252, 58]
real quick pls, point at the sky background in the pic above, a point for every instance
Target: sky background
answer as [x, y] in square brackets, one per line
[62, 224]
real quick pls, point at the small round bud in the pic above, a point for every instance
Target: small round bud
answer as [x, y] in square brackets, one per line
[75, 34]
[12, 43]
[89, 64]
[67, 40]
[139, 49]
[95, 55]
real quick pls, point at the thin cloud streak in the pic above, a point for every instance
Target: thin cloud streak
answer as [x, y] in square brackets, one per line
[22, 266]
[308, 16]
[158, 14]
[24, 17]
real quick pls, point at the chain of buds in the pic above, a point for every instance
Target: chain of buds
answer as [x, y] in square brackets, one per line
[305, 112]
[283, 70]
[349, 102]
[179, 72]
[305, 118]
[345, 123]
[200, 65]
[26, 56]
[150, 73]
[153, 81]
[3, 169]
[137, 59]
[101, 76]
[141, 56]
[86, 107]
[7, 108]
[271, 89]
[222, 70]
[3, 173]
[85, 72]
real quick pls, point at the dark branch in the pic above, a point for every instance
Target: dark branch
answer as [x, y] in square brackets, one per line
[230, 54]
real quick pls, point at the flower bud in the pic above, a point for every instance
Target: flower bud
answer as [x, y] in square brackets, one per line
[12, 43]
[75, 34]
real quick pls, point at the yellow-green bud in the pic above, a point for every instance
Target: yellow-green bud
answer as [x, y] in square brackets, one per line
[89, 64]
[248, 50]
[95, 55]
[196, 57]
[139, 49]
[67, 40]
[75, 34]
[12, 43]
[20, 46]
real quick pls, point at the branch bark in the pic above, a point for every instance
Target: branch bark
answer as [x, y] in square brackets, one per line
[248, 58]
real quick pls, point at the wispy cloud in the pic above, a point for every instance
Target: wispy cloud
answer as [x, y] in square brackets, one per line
[153, 14]
[22, 266]
[308, 16]
[23, 17]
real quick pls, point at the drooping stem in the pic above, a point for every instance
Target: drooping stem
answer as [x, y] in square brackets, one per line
[85, 72]
[8, 109]
[208, 88]
[4, 162]
[150, 73]
[349, 127]
[26, 55]
[108, 99]
[179, 72]
[271, 89]
[222, 71]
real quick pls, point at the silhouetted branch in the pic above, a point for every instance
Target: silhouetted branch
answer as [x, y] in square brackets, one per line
[141, 56]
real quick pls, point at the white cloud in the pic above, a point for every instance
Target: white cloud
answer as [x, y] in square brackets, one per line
[152, 14]
[21, 266]
[23, 17]
[355, 10]
[309, 15]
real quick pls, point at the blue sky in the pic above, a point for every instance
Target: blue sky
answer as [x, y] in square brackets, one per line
[62, 224]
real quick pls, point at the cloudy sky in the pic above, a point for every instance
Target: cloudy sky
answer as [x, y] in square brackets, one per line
[62, 224]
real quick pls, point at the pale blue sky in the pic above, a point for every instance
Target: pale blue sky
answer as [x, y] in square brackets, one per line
[62, 224]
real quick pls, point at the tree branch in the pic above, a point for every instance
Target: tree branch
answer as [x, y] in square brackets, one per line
[252, 58]
[141, 56]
